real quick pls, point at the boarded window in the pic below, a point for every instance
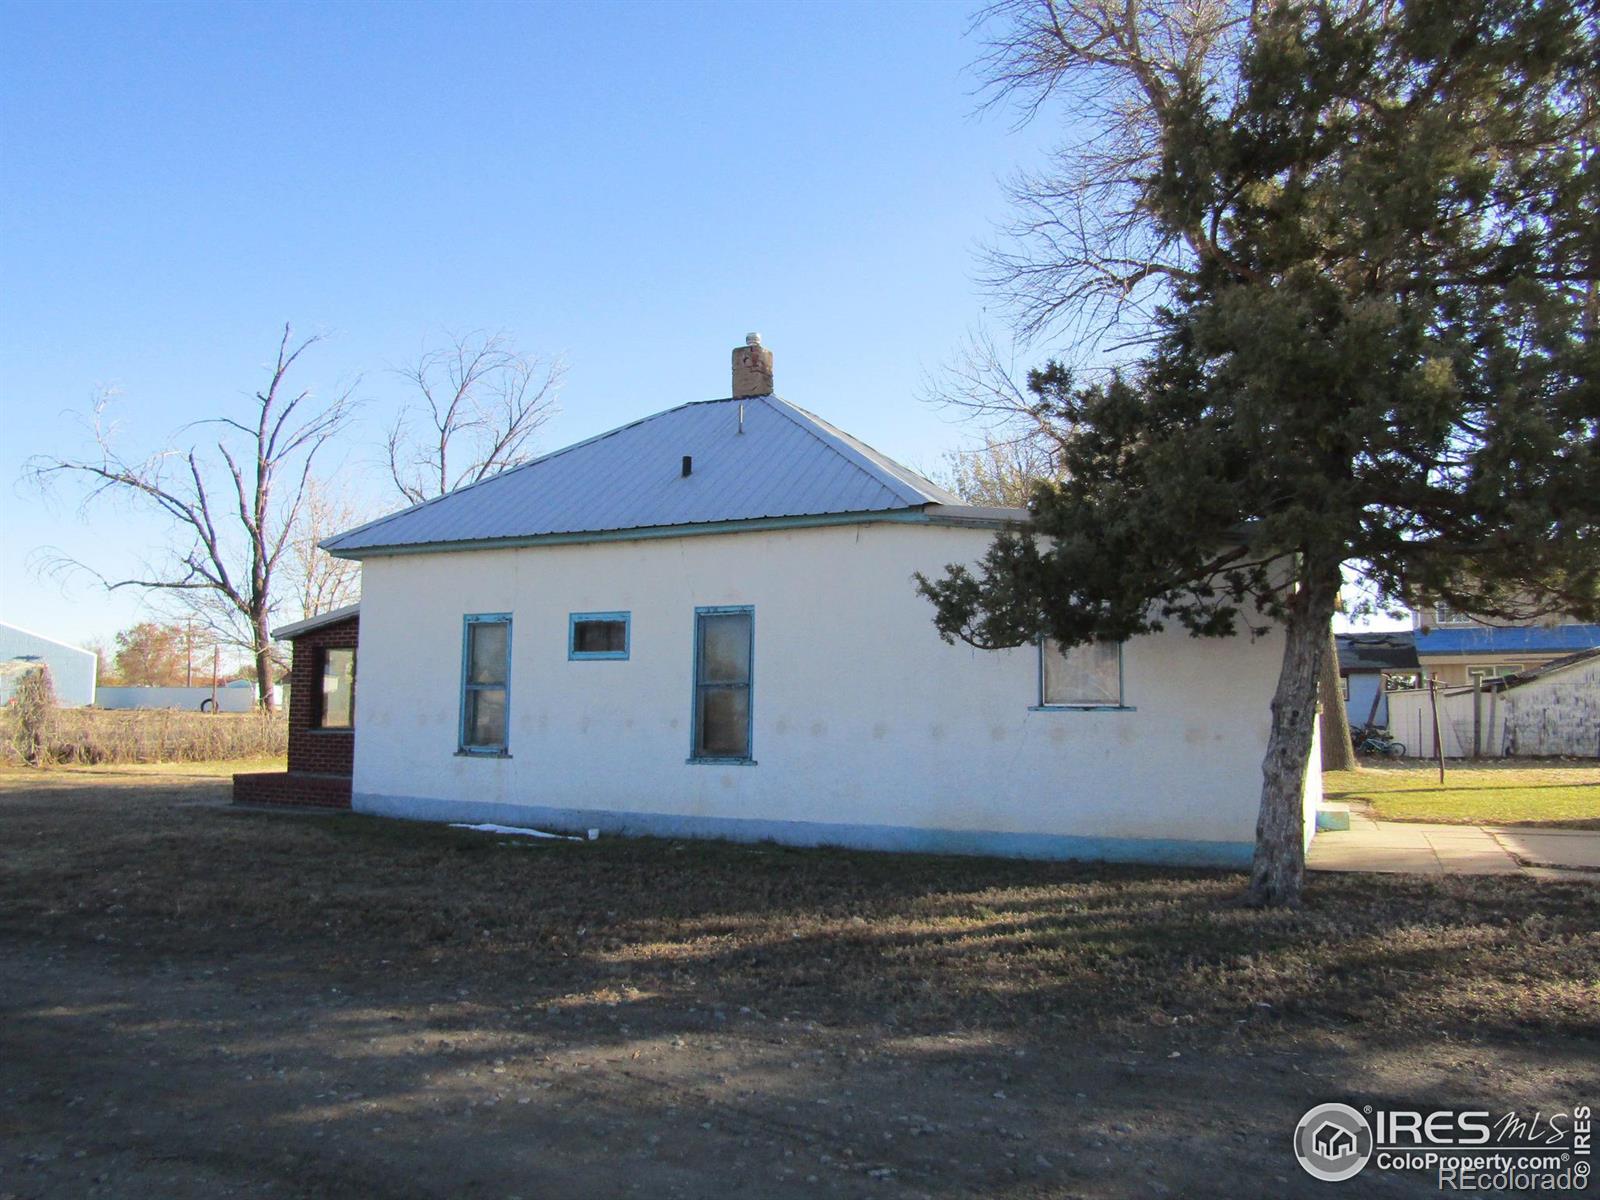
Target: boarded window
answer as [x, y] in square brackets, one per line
[338, 689]
[486, 683]
[598, 635]
[1086, 675]
[724, 646]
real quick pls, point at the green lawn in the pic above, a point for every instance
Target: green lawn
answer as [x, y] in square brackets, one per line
[1492, 794]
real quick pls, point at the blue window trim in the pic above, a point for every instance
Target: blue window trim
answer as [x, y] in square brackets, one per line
[1122, 683]
[576, 655]
[467, 622]
[749, 759]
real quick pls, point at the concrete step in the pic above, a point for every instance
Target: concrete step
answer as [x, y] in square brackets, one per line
[1332, 817]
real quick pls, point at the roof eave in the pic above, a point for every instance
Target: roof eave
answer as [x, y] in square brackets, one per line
[931, 514]
[333, 616]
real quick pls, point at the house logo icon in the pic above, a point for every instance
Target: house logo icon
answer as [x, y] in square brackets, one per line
[1333, 1142]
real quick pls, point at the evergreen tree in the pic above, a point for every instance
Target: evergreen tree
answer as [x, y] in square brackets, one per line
[1376, 228]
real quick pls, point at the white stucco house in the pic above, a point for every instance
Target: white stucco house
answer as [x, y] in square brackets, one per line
[704, 623]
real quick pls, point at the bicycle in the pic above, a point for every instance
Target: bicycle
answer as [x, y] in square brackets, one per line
[1378, 742]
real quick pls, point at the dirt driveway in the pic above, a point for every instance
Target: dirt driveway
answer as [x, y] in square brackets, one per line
[196, 1002]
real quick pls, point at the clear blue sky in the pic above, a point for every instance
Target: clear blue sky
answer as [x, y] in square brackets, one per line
[632, 185]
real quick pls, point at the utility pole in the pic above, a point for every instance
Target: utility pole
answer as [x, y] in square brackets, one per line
[188, 645]
[1438, 746]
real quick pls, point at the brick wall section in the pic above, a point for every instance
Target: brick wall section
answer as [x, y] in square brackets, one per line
[320, 751]
[291, 787]
[320, 760]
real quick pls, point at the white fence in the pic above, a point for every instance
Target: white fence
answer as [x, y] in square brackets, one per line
[1461, 711]
[194, 699]
[1554, 714]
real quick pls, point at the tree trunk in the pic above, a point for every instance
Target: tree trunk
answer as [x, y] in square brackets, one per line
[1338, 751]
[262, 653]
[1279, 867]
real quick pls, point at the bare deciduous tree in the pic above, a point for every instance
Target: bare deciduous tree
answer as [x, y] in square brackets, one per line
[233, 507]
[479, 402]
[1083, 257]
[322, 582]
[1001, 472]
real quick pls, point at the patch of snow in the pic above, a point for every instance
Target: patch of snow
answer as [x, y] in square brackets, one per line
[516, 831]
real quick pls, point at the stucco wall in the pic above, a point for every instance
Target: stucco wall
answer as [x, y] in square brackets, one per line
[1311, 792]
[867, 727]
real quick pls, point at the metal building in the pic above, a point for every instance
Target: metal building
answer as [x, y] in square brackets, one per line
[72, 668]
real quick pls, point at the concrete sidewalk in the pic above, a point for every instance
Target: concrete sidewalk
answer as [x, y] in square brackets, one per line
[1419, 849]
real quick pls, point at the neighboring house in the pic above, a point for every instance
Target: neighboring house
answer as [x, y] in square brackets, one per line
[72, 668]
[704, 623]
[1455, 648]
[1551, 710]
[1369, 664]
[322, 712]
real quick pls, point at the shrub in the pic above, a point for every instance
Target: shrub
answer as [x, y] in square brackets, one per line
[33, 705]
[94, 735]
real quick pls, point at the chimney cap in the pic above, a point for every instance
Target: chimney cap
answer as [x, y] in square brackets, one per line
[752, 339]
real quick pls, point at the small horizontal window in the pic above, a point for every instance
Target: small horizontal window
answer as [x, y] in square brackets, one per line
[1086, 676]
[597, 635]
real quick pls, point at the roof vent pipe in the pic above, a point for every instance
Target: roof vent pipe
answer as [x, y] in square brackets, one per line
[688, 465]
[741, 416]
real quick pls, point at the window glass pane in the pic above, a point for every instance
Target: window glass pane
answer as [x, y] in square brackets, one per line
[486, 717]
[599, 637]
[724, 725]
[338, 688]
[1086, 674]
[488, 652]
[725, 648]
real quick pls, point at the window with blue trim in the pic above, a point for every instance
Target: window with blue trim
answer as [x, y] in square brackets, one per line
[485, 683]
[1088, 675]
[724, 658]
[597, 635]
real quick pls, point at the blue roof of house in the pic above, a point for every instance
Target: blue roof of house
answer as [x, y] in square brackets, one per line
[1517, 639]
[781, 462]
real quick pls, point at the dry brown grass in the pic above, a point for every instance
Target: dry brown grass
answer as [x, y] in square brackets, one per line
[920, 941]
[94, 735]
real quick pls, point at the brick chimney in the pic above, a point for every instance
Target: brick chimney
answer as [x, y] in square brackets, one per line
[752, 368]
